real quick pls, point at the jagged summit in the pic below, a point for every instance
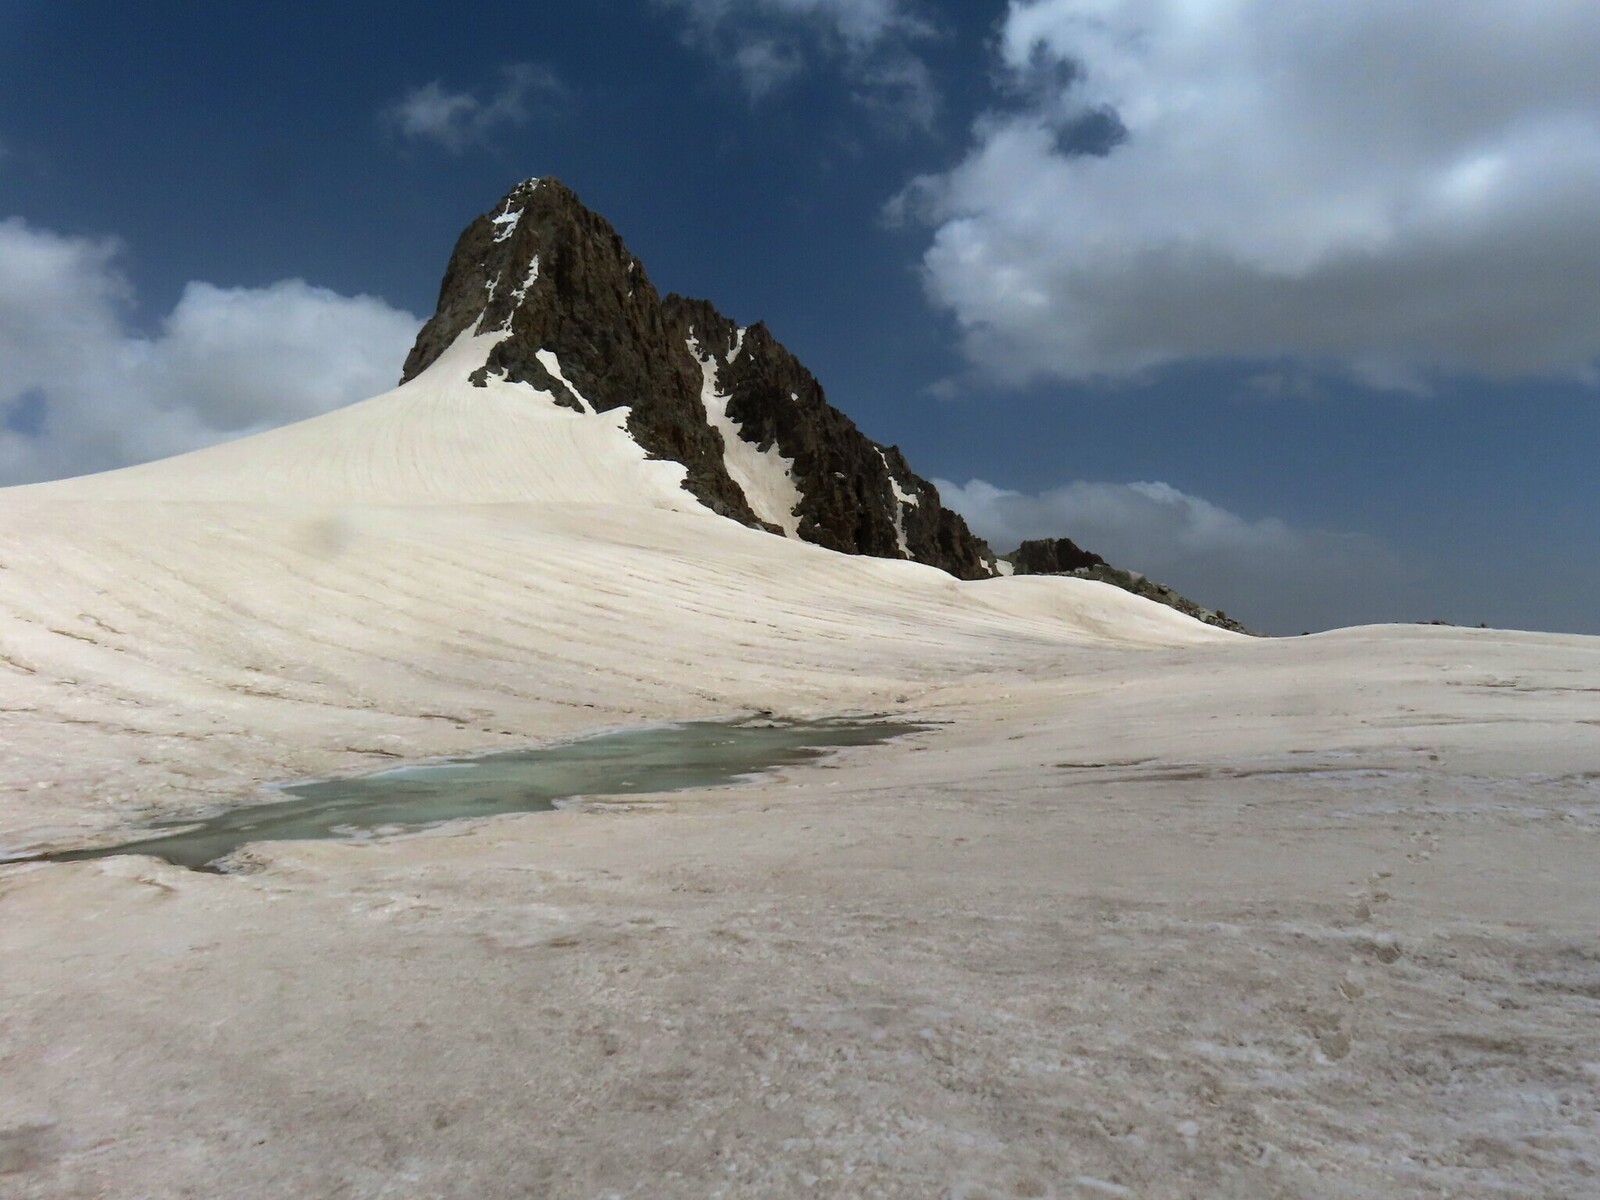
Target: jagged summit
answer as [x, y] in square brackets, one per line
[577, 318]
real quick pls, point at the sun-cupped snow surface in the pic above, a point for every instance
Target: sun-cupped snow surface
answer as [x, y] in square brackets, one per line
[765, 476]
[435, 439]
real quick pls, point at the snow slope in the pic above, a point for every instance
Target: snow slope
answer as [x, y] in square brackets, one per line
[436, 440]
[764, 476]
[1150, 910]
[432, 569]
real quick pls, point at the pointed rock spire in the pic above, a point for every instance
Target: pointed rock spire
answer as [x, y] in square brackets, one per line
[578, 318]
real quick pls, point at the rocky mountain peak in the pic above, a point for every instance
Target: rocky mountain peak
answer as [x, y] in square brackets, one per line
[576, 317]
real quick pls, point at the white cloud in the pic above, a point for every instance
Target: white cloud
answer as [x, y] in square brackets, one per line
[459, 120]
[1271, 575]
[861, 23]
[899, 89]
[1399, 189]
[765, 66]
[429, 113]
[770, 43]
[80, 392]
[1131, 523]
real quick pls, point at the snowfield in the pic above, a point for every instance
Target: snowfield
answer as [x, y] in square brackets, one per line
[1153, 910]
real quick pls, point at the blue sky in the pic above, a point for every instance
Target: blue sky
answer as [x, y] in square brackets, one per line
[1295, 307]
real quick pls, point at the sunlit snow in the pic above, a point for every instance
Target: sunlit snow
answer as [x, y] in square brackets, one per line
[902, 497]
[549, 362]
[763, 475]
[506, 224]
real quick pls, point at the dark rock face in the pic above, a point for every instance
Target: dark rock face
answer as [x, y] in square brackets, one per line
[558, 278]
[856, 496]
[555, 277]
[1053, 556]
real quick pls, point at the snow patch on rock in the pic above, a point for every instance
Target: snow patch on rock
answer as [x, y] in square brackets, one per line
[506, 223]
[764, 476]
[902, 498]
[532, 277]
[549, 362]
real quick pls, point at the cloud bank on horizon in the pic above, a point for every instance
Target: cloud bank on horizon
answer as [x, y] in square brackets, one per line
[1403, 191]
[81, 391]
[1288, 579]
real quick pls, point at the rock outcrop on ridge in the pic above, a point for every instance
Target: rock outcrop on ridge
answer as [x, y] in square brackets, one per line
[1063, 556]
[581, 321]
[1053, 556]
[855, 495]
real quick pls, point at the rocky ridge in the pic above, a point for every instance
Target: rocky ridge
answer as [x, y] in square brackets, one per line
[1053, 556]
[1063, 556]
[580, 320]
